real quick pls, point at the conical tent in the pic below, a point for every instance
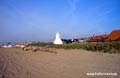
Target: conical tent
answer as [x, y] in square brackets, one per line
[57, 39]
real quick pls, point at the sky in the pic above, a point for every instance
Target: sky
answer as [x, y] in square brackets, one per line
[39, 20]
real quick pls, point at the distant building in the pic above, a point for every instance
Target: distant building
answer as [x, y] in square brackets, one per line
[8, 45]
[83, 40]
[99, 38]
[66, 41]
[76, 40]
[114, 36]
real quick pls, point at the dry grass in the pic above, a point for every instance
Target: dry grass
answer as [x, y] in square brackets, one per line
[44, 49]
[106, 47]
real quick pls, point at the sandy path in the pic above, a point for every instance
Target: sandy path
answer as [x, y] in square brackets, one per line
[15, 63]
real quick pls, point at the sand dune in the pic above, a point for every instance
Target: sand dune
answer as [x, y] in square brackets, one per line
[16, 63]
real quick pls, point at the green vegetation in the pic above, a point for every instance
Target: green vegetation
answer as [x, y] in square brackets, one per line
[39, 44]
[110, 47]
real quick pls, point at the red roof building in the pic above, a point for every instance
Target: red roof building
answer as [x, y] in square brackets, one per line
[114, 36]
[99, 38]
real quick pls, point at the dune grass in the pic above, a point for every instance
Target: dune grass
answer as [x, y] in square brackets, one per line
[106, 47]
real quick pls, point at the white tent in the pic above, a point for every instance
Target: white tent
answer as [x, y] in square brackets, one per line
[57, 39]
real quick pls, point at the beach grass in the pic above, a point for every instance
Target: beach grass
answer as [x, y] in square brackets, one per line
[106, 47]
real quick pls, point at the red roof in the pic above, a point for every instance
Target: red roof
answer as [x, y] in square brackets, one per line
[114, 36]
[97, 38]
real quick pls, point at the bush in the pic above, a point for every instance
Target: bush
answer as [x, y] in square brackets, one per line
[39, 44]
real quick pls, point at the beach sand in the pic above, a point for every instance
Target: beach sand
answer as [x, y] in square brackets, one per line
[16, 63]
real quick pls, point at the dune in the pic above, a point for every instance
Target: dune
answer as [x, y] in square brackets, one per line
[16, 63]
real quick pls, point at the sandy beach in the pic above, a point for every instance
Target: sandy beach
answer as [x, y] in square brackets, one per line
[16, 63]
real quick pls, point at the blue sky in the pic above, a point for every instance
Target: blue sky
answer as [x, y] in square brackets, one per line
[39, 20]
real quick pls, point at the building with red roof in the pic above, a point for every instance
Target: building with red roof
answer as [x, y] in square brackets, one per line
[114, 36]
[99, 38]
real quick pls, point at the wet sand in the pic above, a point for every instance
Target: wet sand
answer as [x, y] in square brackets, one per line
[16, 63]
